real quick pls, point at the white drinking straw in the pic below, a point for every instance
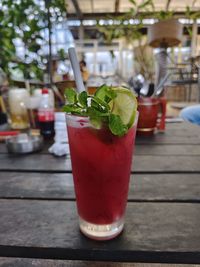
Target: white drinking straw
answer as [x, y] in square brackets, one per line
[76, 69]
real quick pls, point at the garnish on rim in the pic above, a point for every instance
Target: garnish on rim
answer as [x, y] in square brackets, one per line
[114, 106]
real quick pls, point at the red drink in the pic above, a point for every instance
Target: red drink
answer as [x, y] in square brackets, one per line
[152, 115]
[101, 165]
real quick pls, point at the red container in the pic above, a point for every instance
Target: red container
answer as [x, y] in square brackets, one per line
[101, 166]
[152, 113]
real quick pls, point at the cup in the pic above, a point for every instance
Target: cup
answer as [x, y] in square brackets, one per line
[32, 108]
[152, 115]
[17, 98]
[101, 166]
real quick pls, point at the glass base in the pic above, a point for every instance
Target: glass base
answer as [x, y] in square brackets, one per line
[101, 231]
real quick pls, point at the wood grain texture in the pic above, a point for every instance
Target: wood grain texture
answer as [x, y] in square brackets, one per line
[171, 150]
[175, 134]
[147, 149]
[49, 229]
[163, 216]
[16, 262]
[142, 163]
[143, 187]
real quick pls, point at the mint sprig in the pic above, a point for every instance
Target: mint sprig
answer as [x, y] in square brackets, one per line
[96, 107]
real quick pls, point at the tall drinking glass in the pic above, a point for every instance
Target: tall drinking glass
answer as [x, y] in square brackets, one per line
[101, 166]
[17, 98]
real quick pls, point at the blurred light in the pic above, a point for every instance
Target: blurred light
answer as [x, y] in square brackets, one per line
[186, 21]
[31, 16]
[110, 22]
[149, 21]
[101, 22]
[89, 22]
[116, 22]
[75, 23]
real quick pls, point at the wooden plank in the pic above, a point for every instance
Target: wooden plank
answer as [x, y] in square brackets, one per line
[178, 150]
[17, 262]
[143, 187]
[36, 185]
[170, 138]
[175, 133]
[142, 163]
[146, 149]
[186, 126]
[154, 232]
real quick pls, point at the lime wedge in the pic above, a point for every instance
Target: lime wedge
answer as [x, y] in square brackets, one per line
[124, 105]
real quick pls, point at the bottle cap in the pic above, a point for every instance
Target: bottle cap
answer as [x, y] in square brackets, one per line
[45, 91]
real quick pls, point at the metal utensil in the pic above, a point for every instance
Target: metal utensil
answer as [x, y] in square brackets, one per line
[24, 143]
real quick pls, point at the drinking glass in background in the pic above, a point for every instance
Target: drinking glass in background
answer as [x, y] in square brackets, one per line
[101, 166]
[152, 112]
[32, 105]
[17, 99]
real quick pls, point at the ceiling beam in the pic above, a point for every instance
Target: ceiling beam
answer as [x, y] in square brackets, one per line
[117, 5]
[79, 13]
[73, 16]
[92, 5]
[168, 4]
[194, 2]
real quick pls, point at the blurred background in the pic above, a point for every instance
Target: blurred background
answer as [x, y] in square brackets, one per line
[142, 44]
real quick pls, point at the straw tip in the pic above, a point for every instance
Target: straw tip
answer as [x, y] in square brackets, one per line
[71, 49]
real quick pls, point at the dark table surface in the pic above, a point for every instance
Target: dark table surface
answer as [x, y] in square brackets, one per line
[38, 216]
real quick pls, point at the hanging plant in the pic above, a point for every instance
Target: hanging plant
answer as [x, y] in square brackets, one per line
[121, 26]
[23, 21]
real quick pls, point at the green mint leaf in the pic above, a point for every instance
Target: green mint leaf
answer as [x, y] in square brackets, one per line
[116, 125]
[82, 98]
[93, 113]
[101, 91]
[96, 122]
[70, 95]
[73, 109]
[100, 105]
[97, 108]
[105, 93]
[95, 105]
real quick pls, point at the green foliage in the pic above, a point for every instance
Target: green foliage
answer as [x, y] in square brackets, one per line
[96, 107]
[189, 14]
[139, 12]
[61, 54]
[71, 95]
[24, 19]
[116, 125]
[123, 28]
[82, 98]
[163, 15]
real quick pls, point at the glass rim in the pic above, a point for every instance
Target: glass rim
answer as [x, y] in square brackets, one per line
[85, 119]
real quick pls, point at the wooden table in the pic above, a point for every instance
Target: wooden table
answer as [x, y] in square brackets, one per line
[38, 216]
